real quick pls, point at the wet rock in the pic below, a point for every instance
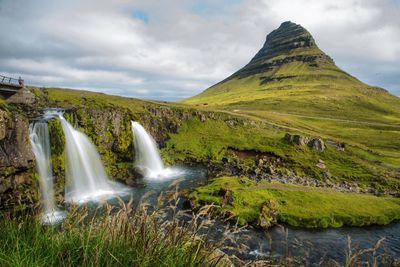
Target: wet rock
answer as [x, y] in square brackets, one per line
[268, 214]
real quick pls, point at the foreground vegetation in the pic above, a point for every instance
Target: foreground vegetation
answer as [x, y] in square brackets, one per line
[116, 237]
[297, 205]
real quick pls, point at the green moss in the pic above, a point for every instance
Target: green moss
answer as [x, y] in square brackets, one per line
[299, 205]
[212, 139]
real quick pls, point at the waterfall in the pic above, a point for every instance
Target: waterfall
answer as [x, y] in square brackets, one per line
[40, 141]
[86, 178]
[148, 160]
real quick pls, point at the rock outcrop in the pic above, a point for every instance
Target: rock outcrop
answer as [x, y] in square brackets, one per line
[316, 144]
[16, 161]
[23, 96]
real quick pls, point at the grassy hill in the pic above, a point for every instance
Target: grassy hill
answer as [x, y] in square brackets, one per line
[291, 83]
[290, 74]
[371, 155]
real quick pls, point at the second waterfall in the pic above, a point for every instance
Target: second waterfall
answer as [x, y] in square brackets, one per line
[86, 177]
[148, 160]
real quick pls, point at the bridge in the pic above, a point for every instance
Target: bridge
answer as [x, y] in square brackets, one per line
[9, 86]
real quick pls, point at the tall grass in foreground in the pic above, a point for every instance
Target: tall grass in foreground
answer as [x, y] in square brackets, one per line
[129, 236]
[122, 236]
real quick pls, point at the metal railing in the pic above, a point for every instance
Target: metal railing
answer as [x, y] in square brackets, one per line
[11, 81]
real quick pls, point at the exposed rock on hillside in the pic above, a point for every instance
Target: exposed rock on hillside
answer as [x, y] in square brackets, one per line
[316, 143]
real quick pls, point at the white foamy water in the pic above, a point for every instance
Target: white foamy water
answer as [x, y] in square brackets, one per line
[40, 141]
[148, 160]
[86, 178]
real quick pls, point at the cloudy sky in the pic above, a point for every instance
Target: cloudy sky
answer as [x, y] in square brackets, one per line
[174, 49]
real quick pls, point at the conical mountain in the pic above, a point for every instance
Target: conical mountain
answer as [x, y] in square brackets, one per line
[290, 43]
[290, 74]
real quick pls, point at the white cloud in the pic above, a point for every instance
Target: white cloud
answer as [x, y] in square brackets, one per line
[181, 48]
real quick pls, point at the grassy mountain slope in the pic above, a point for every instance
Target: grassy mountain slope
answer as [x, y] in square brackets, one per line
[290, 82]
[290, 74]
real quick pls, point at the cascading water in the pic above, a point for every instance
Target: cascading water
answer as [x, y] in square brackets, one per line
[85, 175]
[148, 160]
[40, 141]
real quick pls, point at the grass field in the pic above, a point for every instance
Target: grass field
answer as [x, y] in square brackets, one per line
[211, 140]
[371, 156]
[299, 205]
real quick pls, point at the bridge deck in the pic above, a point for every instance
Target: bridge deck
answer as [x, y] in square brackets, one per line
[9, 86]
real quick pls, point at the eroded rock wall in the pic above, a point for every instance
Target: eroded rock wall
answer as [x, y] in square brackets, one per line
[16, 161]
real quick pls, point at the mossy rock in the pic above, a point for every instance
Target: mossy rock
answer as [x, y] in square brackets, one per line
[268, 214]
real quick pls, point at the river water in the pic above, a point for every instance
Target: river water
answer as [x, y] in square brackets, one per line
[310, 245]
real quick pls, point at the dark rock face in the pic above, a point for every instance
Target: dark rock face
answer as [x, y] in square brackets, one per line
[15, 149]
[16, 161]
[287, 37]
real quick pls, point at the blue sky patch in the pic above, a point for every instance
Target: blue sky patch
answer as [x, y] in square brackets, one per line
[140, 14]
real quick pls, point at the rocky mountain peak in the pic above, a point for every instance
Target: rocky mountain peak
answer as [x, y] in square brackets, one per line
[285, 45]
[287, 37]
